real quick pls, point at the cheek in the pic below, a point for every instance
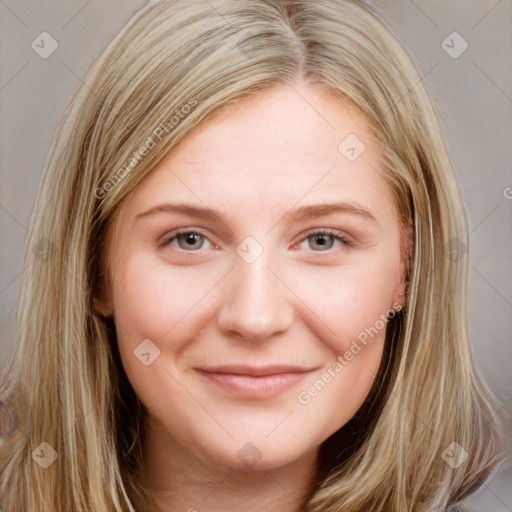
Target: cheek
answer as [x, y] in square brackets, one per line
[352, 302]
[151, 299]
[155, 302]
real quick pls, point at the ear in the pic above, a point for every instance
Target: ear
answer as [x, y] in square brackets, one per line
[406, 253]
[103, 303]
[399, 295]
[102, 300]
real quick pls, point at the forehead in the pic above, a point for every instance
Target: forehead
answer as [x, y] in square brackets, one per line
[285, 130]
[282, 146]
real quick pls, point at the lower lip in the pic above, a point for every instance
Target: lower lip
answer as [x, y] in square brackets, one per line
[255, 387]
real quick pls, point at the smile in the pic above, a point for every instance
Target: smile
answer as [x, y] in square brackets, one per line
[255, 383]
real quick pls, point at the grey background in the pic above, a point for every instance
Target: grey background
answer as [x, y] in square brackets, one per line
[472, 94]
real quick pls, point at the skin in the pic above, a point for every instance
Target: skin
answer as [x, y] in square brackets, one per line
[295, 304]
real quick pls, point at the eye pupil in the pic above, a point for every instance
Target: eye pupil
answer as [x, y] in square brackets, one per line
[321, 242]
[190, 241]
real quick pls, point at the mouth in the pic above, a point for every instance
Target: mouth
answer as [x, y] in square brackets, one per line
[253, 382]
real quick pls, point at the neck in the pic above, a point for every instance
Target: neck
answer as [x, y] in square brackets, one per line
[175, 479]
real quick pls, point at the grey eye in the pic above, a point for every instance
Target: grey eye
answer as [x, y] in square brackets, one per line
[321, 242]
[190, 241]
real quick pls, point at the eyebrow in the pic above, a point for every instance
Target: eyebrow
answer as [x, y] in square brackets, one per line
[298, 214]
[318, 210]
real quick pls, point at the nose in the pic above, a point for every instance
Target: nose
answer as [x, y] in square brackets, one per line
[257, 304]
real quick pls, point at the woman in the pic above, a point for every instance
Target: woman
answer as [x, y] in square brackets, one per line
[240, 293]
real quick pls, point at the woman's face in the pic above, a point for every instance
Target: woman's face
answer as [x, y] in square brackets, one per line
[252, 272]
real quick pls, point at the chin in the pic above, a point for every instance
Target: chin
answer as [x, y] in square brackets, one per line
[255, 453]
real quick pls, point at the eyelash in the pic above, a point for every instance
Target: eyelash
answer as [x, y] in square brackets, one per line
[335, 234]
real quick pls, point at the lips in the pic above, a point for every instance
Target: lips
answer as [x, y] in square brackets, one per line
[254, 382]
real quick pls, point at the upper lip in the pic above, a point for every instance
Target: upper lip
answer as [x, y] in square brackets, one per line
[240, 369]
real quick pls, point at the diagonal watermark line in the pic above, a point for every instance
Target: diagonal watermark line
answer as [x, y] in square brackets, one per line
[492, 211]
[301, 300]
[216, 486]
[212, 212]
[424, 14]
[496, 413]
[403, 404]
[198, 403]
[217, 12]
[79, 78]
[19, 430]
[14, 14]
[312, 107]
[75, 15]
[412, 412]
[409, 89]
[85, 292]
[491, 80]
[14, 76]
[300, 199]
[497, 497]
[80, 285]
[12, 281]
[485, 15]
[94, 406]
[187, 312]
[281, 485]
[484, 426]
[89, 89]
[13, 217]
[280, 423]
[491, 285]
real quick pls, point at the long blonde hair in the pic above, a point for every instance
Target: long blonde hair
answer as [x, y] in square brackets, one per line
[173, 66]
